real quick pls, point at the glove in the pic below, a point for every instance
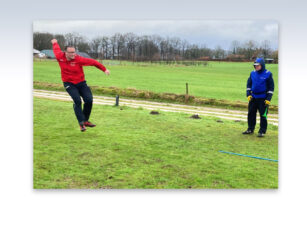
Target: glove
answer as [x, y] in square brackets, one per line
[266, 102]
[249, 98]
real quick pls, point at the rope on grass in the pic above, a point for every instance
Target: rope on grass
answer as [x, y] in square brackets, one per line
[243, 155]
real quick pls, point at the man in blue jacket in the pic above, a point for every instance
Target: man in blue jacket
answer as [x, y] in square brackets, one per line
[259, 92]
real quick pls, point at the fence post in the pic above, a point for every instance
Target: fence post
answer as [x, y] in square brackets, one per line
[117, 100]
[186, 92]
[186, 88]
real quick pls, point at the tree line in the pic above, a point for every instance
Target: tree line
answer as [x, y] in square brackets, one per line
[130, 46]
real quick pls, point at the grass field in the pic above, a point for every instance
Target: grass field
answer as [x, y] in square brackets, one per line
[218, 80]
[130, 148]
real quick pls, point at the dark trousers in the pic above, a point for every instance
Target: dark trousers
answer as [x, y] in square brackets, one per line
[76, 91]
[254, 105]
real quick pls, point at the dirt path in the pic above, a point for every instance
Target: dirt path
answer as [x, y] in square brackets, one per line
[200, 110]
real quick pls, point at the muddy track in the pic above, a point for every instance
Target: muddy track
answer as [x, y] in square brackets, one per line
[168, 107]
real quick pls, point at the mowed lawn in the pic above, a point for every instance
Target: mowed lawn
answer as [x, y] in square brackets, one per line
[132, 149]
[218, 80]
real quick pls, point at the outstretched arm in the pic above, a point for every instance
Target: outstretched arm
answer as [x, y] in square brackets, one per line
[92, 62]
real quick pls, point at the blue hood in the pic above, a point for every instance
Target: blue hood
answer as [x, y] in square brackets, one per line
[262, 63]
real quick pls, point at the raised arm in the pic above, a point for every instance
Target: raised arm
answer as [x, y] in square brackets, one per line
[56, 48]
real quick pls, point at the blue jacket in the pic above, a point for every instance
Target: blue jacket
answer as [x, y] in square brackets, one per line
[260, 84]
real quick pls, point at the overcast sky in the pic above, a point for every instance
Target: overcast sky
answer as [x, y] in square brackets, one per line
[209, 32]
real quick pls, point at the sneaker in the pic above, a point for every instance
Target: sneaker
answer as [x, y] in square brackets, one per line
[260, 135]
[82, 128]
[248, 132]
[89, 124]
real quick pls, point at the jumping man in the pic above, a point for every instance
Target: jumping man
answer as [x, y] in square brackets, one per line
[74, 82]
[259, 92]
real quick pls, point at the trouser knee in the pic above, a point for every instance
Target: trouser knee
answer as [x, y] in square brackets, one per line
[88, 101]
[77, 102]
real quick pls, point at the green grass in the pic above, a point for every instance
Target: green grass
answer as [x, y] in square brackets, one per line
[217, 80]
[130, 148]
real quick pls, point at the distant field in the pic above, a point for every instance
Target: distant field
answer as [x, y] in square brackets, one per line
[218, 80]
[130, 148]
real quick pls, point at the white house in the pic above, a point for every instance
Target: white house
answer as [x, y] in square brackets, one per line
[38, 53]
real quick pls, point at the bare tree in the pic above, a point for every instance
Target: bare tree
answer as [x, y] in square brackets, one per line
[265, 47]
[95, 45]
[75, 39]
[204, 52]
[41, 41]
[113, 40]
[105, 42]
[275, 56]
[193, 52]
[70, 39]
[84, 47]
[250, 47]
[234, 46]
[131, 43]
[184, 45]
[129, 46]
[163, 48]
[175, 43]
[147, 49]
[219, 53]
[120, 43]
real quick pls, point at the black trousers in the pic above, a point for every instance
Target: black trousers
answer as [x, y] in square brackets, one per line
[257, 104]
[76, 91]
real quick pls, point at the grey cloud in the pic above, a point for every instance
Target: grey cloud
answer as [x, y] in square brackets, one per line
[211, 32]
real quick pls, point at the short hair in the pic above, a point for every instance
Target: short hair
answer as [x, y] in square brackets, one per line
[69, 46]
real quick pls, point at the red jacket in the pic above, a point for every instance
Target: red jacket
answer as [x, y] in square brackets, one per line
[72, 70]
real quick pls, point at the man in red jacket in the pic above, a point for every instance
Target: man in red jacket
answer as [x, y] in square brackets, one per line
[74, 82]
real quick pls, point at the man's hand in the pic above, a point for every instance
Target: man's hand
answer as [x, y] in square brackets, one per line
[266, 102]
[54, 41]
[107, 72]
[249, 98]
